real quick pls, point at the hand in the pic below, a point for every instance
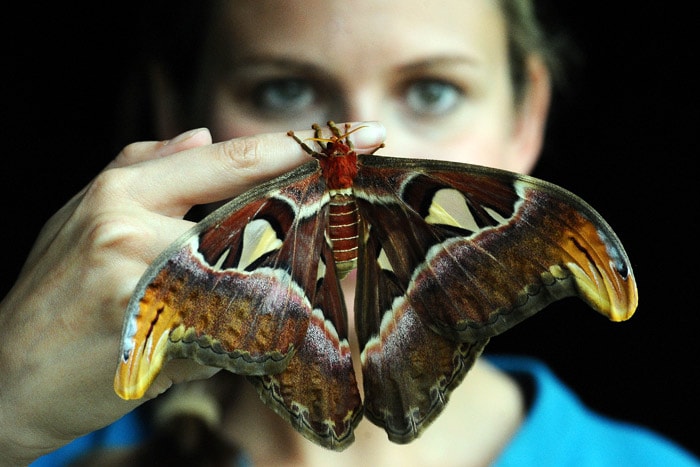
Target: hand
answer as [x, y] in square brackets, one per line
[60, 324]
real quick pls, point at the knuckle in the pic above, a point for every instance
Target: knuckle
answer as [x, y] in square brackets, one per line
[110, 222]
[116, 231]
[133, 152]
[242, 153]
[107, 184]
[116, 183]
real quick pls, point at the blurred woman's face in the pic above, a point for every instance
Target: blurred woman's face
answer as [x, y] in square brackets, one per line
[436, 75]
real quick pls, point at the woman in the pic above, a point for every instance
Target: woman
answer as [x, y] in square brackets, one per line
[468, 82]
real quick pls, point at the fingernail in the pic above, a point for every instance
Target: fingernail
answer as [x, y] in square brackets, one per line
[369, 136]
[184, 136]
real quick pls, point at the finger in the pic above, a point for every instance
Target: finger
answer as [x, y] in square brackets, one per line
[179, 371]
[147, 150]
[130, 155]
[210, 173]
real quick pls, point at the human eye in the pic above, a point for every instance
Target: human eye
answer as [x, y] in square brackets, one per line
[431, 97]
[284, 95]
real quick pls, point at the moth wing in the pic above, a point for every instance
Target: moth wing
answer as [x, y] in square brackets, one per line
[317, 392]
[465, 252]
[483, 248]
[234, 292]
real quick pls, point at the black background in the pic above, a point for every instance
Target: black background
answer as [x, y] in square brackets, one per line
[621, 135]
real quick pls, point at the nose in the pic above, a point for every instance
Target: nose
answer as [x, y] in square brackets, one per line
[363, 103]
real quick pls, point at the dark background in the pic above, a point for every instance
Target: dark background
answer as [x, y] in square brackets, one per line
[621, 136]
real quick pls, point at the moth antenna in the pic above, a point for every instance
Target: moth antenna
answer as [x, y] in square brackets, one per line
[303, 145]
[337, 135]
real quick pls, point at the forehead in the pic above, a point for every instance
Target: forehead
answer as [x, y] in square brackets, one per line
[351, 32]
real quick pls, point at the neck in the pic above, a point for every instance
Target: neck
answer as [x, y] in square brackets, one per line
[481, 417]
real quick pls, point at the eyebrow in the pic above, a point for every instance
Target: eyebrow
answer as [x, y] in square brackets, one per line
[441, 60]
[281, 63]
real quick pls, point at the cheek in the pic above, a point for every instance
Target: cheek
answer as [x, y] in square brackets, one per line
[488, 148]
[225, 124]
[223, 121]
[223, 130]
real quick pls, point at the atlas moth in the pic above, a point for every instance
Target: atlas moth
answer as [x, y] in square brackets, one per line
[448, 255]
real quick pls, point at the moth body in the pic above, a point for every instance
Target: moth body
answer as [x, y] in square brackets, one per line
[338, 161]
[342, 230]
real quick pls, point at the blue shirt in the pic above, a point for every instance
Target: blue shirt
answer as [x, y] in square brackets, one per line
[558, 431]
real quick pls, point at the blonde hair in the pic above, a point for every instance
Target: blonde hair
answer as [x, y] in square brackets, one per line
[527, 37]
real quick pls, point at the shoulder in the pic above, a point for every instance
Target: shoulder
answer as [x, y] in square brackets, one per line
[126, 431]
[561, 430]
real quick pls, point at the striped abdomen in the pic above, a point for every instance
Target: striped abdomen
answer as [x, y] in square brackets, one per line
[343, 221]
